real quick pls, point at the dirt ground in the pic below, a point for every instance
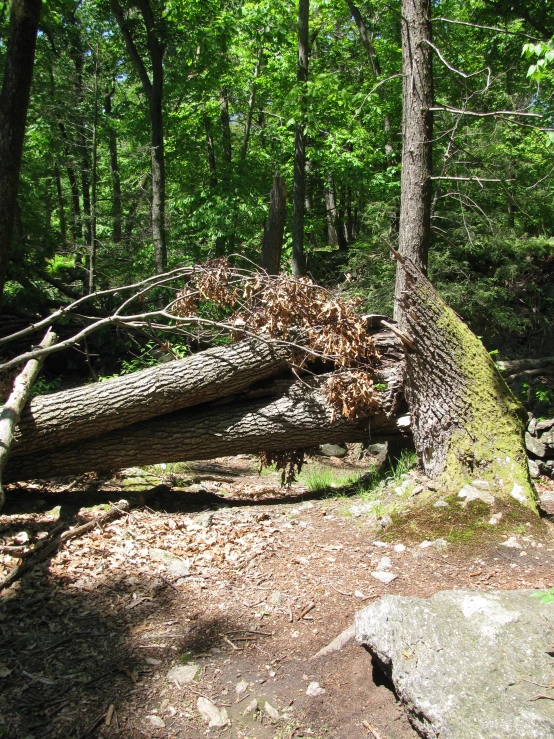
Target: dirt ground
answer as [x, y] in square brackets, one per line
[235, 575]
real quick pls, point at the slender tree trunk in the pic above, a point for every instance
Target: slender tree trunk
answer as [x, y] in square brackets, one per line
[299, 188]
[153, 90]
[61, 207]
[117, 209]
[225, 121]
[76, 224]
[93, 244]
[14, 101]
[274, 227]
[251, 104]
[132, 213]
[211, 154]
[417, 133]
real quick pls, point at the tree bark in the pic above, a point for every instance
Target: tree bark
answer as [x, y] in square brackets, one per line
[251, 103]
[61, 206]
[50, 421]
[14, 102]
[299, 187]
[153, 89]
[275, 227]
[417, 133]
[466, 423]
[117, 210]
[298, 418]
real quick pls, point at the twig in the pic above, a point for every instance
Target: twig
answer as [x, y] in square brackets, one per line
[234, 646]
[304, 612]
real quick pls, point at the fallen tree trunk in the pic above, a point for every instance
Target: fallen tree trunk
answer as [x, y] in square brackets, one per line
[50, 421]
[300, 417]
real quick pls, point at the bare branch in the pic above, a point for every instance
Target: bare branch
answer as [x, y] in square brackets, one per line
[488, 114]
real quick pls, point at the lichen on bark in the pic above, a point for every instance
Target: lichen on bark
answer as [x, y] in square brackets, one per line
[466, 422]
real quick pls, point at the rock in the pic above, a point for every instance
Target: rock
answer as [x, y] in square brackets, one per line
[481, 484]
[531, 428]
[271, 711]
[536, 447]
[241, 687]
[276, 598]
[399, 547]
[511, 543]
[216, 717]
[417, 490]
[384, 521]
[437, 543]
[495, 519]
[333, 450]
[384, 564]
[378, 449]
[156, 722]
[441, 504]
[314, 690]
[534, 470]
[338, 643]
[21, 538]
[466, 663]
[546, 501]
[252, 707]
[469, 493]
[385, 577]
[183, 673]
[363, 508]
[174, 565]
[544, 425]
[404, 488]
[548, 439]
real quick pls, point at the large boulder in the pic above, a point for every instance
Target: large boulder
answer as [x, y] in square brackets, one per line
[467, 664]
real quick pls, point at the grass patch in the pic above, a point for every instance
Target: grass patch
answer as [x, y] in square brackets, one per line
[319, 479]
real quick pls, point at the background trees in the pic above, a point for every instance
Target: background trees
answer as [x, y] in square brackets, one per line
[100, 145]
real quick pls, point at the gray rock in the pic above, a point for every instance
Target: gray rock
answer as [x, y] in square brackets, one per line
[156, 722]
[460, 661]
[338, 643]
[378, 449]
[216, 717]
[271, 711]
[544, 425]
[469, 493]
[183, 673]
[333, 450]
[534, 470]
[546, 501]
[536, 447]
[547, 438]
[531, 428]
[314, 690]
[441, 504]
[175, 565]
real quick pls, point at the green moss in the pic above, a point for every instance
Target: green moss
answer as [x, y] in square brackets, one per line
[490, 446]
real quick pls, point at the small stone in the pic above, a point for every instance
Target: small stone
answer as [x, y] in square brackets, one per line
[425, 543]
[385, 577]
[252, 707]
[183, 673]
[216, 717]
[385, 521]
[536, 447]
[156, 722]
[534, 470]
[441, 504]
[495, 518]
[314, 690]
[544, 425]
[271, 711]
[359, 594]
[511, 543]
[241, 687]
[470, 493]
[384, 563]
[399, 548]
[276, 598]
[333, 450]
[417, 490]
[531, 428]
[21, 538]
[481, 484]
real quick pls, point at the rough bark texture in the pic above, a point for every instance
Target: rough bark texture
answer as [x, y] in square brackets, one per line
[275, 227]
[466, 423]
[417, 134]
[14, 101]
[50, 421]
[298, 418]
[299, 187]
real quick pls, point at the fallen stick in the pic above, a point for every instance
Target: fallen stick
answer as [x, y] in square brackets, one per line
[11, 412]
[119, 509]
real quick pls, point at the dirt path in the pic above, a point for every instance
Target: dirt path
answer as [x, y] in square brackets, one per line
[232, 575]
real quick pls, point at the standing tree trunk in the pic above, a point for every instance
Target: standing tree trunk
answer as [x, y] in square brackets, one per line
[417, 132]
[251, 103]
[274, 227]
[153, 89]
[14, 101]
[61, 207]
[94, 183]
[299, 188]
[117, 210]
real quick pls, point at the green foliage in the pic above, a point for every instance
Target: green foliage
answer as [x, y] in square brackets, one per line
[546, 596]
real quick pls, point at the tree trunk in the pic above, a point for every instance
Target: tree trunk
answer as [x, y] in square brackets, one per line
[417, 133]
[117, 210]
[299, 188]
[251, 103]
[466, 423]
[153, 89]
[275, 227]
[14, 101]
[211, 154]
[72, 415]
[297, 419]
[61, 207]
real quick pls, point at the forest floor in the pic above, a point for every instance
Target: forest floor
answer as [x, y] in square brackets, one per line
[231, 573]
